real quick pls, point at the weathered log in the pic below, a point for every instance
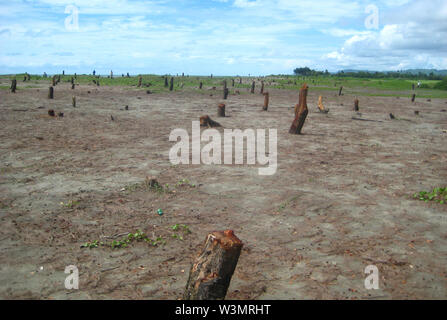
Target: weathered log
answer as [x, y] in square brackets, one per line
[73, 101]
[13, 85]
[340, 91]
[356, 105]
[171, 85]
[266, 101]
[50, 93]
[221, 110]
[206, 121]
[211, 272]
[301, 111]
[252, 87]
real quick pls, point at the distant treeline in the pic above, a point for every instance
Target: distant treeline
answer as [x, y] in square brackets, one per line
[367, 74]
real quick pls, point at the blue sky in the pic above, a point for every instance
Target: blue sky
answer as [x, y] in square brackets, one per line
[223, 37]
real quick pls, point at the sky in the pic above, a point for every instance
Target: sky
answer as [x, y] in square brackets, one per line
[220, 37]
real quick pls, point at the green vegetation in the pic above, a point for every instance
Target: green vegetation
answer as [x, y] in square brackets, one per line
[125, 242]
[441, 85]
[437, 195]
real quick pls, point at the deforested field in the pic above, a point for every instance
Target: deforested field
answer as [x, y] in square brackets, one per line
[342, 197]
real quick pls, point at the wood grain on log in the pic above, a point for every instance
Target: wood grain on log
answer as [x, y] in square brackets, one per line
[211, 272]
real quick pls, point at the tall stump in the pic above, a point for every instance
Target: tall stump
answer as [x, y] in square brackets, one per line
[301, 111]
[73, 101]
[356, 105]
[166, 82]
[340, 91]
[266, 101]
[262, 87]
[210, 274]
[221, 110]
[201, 85]
[252, 87]
[413, 97]
[171, 85]
[13, 85]
[50, 93]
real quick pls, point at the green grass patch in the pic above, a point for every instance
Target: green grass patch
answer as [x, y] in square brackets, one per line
[437, 195]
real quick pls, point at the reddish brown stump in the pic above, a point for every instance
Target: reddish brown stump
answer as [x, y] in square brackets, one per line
[266, 101]
[356, 105]
[301, 112]
[211, 272]
[221, 110]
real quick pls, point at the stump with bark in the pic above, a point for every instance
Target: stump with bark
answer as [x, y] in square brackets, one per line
[321, 106]
[51, 113]
[166, 82]
[226, 92]
[54, 81]
[171, 85]
[50, 93]
[201, 85]
[72, 86]
[73, 101]
[140, 79]
[232, 82]
[221, 110]
[340, 91]
[413, 97]
[206, 121]
[211, 272]
[262, 87]
[266, 101]
[356, 105]
[13, 85]
[252, 87]
[301, 112]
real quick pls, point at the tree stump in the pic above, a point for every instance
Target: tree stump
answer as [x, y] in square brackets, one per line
[413, 97]
[72, 80]
[221, 110]
[166, 82]
[73, 101]
[211, 272]
[240, 80]
[206, 121]
[252, 87]
[226, 92]
[171, 86]
[72, 86]
[201, 85]
[13, 85]
[54, 81]
[51, 113]
[321, 106]
[340, 92]
[266, 101]
[301, 111]
[140, 79]
[356, 105]
[50, 93]
[262, 87]
[232, 82]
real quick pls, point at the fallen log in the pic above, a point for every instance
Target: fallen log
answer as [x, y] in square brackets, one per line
[211, 272]
[206, 121]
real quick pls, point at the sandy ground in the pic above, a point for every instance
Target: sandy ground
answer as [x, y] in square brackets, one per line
[341, 198]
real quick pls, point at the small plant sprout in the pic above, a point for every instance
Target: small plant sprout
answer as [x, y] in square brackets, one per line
[437, 195]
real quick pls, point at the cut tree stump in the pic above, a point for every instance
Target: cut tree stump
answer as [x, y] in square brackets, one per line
[301, 112]
[73, 101]
[166, 82]
[321, 106]
[232, 82]
[413, 97]
[262, 87]
[201, 85]
[140, 80]
[13, 85]
[51, 113]
[340, 91]
[226, 92]
[252, 87]
[211, 272]
[206, 121]
[221, 110]
[356, 105]
[171, 86]
[50, 93]
[266, 101]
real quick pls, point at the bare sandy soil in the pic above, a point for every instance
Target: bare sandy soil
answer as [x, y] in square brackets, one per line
[341, 198]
